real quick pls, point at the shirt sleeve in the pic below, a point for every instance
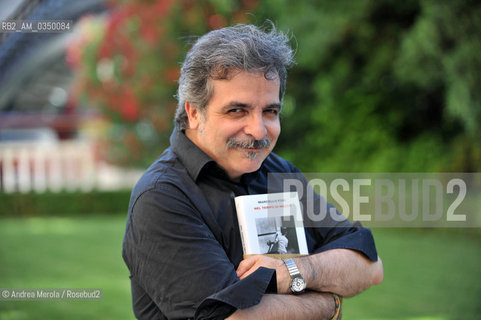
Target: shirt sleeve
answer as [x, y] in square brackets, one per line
[354, 238]
[175, 258]
[326, 228]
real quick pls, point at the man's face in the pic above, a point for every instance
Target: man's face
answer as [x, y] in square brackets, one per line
[240, 125]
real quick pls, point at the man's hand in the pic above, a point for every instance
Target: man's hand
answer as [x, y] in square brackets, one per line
[252, 263]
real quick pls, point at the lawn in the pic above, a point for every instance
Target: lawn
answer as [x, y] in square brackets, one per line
[429, 274]
[55, 252]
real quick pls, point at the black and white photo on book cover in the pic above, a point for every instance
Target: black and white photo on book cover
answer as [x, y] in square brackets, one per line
[271, 224]
[277, 235]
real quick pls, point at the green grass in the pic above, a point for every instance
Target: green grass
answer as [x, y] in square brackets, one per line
[53, 252]
[428, 274]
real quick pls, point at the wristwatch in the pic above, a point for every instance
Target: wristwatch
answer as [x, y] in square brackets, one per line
[298, 283]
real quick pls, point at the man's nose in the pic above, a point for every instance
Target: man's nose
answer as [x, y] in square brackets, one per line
[256, 127]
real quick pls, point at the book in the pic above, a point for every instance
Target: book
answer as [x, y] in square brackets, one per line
[271, 224]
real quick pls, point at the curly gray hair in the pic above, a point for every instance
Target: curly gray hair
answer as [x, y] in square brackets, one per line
[214, 55]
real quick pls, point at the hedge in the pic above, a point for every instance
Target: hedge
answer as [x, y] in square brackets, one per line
[65, 203]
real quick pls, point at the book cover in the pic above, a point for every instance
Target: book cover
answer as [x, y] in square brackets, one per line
[271, 224]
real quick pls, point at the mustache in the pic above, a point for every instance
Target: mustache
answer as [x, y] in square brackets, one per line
[251, 144]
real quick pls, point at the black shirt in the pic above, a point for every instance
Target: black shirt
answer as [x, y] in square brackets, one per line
[182, 243]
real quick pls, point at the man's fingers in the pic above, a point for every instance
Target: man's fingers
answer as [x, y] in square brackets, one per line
[245, 267]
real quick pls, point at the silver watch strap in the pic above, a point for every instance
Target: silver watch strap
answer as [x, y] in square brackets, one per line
[292, 267]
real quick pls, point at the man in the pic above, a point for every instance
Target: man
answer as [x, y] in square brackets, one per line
[280, 242]
[182, 243]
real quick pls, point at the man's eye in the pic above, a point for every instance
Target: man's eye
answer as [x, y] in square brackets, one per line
[235, 110]
[272, 111]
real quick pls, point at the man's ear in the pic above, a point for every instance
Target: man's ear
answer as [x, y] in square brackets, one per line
[193, 115]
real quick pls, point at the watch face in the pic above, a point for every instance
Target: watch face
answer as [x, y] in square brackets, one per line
[298, 284]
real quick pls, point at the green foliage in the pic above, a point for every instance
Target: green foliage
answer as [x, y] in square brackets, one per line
[66, 203]
[442, 48]
[382, 85]
[379, 85]
[127, 66]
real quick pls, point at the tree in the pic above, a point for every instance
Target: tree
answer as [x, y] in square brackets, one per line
[382, 85]
[379, 85]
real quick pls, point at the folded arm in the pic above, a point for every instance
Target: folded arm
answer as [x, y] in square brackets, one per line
[341, 271]
[311, 305]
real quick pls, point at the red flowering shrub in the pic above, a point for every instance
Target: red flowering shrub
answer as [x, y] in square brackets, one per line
[127, 63]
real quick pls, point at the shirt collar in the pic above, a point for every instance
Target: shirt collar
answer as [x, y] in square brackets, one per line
[193, 158]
